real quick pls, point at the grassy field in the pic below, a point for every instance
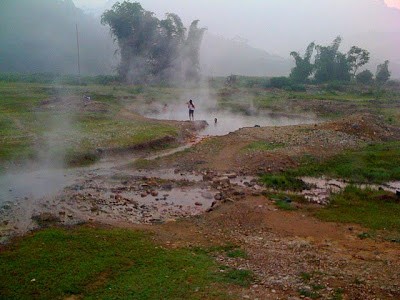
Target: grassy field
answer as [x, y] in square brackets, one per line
[28, 128]
[375, 210]
[26, 124]
[111, 264]
[376, 163]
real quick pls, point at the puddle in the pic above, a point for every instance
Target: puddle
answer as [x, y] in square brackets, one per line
[228, 122]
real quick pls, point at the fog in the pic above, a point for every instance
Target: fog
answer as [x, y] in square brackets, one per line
[252, 37]
[279, 27]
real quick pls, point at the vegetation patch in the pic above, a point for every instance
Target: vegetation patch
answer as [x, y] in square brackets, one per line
[263, 146]
[373, 209]
[283, 182]
[376, 163]
[110, 264]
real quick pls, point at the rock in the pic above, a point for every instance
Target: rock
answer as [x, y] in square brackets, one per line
[166, 187]
[218, 196]
[144, 194]
[154, 193]
[221, 180]
[198, 204]
[207, 195]
[207, 177]
[228, 200]
[230, 175]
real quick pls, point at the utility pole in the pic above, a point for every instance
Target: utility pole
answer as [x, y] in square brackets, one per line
[79, 61]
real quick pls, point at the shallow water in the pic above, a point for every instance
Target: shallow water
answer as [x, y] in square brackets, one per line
[229, 122]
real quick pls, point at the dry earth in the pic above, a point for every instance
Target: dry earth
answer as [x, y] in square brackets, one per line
[289, 145]
[292, 254]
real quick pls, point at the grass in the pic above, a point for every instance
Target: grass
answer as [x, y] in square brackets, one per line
[110, 264]
[283, 182]
[377, 210]
[262, 146]
[377, 163]
[28, 128]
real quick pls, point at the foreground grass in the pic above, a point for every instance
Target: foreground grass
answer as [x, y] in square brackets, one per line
[373, 209]
[109, 264]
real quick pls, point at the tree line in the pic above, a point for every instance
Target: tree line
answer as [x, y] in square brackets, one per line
[154, 50]
[329, 64]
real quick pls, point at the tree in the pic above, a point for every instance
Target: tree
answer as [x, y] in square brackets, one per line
[365, 77]
[134, 29]
[382, 73]
[330, 64]
[357, 57]
[153, 49]
[192, 51]
[304, 68]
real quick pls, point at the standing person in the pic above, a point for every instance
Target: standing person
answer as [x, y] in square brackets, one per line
[191, 110]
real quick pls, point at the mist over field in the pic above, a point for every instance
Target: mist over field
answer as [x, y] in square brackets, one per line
[243, 37]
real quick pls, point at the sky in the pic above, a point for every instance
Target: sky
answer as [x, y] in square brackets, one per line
[279, 26]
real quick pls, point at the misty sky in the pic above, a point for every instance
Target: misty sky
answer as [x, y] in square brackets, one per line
[279, 26]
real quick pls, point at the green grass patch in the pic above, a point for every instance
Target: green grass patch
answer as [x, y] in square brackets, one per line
[372, 209]
[285, 201]
[284, 205]
[110, 264]
[262, 146]
[235, 276]
[376, 163]
[283, 182]
[236, 253]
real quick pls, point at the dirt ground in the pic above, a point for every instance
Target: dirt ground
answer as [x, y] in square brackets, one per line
[289, 145]
[292, 254]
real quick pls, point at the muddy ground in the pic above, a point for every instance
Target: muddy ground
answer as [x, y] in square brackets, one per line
[208, 195]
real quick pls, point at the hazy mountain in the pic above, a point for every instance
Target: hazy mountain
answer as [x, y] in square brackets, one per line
[40, 36]
[220, 56]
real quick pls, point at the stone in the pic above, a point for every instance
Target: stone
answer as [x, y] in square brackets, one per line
[198, 204]
[207, 195]
[221, 180]
[230, 175]
[218, 197]
[154, 193]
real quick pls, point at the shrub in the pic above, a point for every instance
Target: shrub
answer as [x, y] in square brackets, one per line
[365, 77]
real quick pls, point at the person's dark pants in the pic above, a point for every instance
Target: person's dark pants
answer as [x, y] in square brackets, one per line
[191, 114]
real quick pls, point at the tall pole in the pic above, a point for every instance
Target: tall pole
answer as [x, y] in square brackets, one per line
[79, 61]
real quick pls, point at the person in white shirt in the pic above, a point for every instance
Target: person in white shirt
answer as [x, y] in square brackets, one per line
[191, 110]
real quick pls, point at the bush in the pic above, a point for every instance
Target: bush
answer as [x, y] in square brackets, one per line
[365, 77]
[280, 82]
[336, 86]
